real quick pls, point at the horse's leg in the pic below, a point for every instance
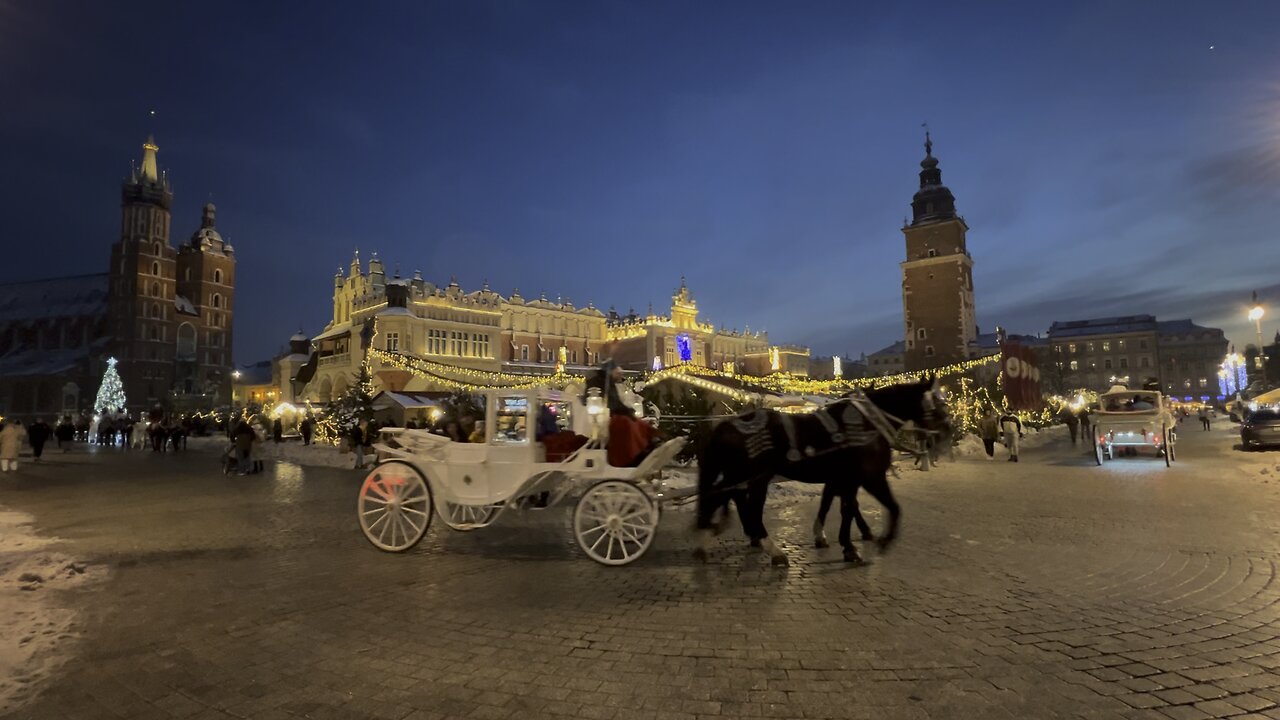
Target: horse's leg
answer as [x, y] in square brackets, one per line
[863, 528]
[878, 487]
[709, 500]
[824, 506]
[757, 492]
[848, 509]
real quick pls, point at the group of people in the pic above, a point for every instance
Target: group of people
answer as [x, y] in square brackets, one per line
[1004, 427]
[13, 434]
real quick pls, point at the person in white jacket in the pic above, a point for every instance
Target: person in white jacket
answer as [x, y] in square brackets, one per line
[11, 438]
[1011, 426]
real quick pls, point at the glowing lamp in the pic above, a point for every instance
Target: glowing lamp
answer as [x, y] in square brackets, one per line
[1256, 313]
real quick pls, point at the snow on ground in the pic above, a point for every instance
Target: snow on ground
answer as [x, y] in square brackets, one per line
[35, 629]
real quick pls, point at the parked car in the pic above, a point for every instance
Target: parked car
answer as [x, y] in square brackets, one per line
[1260, 428]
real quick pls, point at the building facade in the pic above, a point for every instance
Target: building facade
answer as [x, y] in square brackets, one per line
[164, 312]
[484, 331]
[939, 318]
[170, 307]
[1134, 350]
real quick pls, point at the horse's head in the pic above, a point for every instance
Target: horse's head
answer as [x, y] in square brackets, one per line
[921, 403]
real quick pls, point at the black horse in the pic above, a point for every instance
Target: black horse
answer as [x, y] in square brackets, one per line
[844, 445]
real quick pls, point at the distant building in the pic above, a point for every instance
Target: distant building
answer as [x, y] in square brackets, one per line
[887, 361]
[1134, 349]
[940, 321]
[164, 312]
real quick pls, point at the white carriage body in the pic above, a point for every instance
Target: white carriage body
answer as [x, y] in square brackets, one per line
[468, 485]
[1133, 418]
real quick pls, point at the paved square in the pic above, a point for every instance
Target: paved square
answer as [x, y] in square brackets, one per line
[1047, 588]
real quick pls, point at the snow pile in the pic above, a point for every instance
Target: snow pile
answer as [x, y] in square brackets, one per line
[34, 629]
[970, 446]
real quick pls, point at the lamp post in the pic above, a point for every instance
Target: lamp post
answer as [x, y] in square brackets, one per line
[1255, 314]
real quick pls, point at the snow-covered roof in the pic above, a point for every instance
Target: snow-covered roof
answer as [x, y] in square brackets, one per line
[64, 297]
[897, 348]
[333, 332]
[396, 311]
[34, 362]
[406, 400]
[185, 306]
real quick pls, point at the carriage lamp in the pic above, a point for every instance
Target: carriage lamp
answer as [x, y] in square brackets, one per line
[595, 409]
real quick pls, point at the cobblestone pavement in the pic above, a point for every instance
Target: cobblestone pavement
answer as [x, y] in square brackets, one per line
[1047, 588]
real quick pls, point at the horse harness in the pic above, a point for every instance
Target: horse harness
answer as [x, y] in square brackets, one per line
[861, 422]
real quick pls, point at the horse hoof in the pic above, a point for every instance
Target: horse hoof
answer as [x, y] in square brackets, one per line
[701, 555]
[821, 543]
[780, 561]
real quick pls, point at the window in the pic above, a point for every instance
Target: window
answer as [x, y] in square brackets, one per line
[155, 310]
[933, 252]
[1204, 382]
[1057, 349]
[393, 341]
[928, 350]
[1090, 347]
[155, 268]
[1124, 363]
[154, 335]
[1142, 344]
[157, 249]
[510, 420]
[920, 333]
[216, 300]
[217, 275]
[524, 352]
[1072, 347]
[1144, 362]
[155, 290]
[1106, 346]
[1106, 364]
[1075, 365]
[1120, 344]
[1186, 384]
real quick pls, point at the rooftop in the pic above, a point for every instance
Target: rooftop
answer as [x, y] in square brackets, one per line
[63, 297]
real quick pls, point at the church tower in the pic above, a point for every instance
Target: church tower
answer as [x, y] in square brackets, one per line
[141, 284]
[940, 323]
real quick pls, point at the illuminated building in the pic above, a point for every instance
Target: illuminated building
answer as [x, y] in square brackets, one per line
[1133, 349]
[940, 325]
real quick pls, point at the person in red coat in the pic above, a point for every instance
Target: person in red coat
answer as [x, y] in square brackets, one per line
[630, 439]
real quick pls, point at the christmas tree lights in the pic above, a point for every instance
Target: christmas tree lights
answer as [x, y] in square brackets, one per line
[111, 392]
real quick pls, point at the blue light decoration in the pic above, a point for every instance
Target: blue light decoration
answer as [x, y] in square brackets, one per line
[1233, 375]
[684, 347]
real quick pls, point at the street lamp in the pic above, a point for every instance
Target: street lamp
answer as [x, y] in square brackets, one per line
[1255, 314]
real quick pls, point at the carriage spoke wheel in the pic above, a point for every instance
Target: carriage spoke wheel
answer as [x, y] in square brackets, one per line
[615, 522]
[394, 506]
[468, 517]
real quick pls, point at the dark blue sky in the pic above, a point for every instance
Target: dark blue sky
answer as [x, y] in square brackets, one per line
[1107, 160]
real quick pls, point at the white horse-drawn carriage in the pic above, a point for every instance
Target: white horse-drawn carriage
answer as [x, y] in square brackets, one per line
[468, 485]
[1133, 419]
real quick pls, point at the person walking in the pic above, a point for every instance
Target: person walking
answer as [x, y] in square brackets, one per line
[65, 433]
[10, 444]
[277, 431]
[244, 438]
[989, 431]
[37, 435]
[1204, 417]
[360, 440]
[306, 428]
[1011, 426]
[1073, 425]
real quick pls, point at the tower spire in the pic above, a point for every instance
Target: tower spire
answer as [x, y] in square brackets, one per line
[150, 173]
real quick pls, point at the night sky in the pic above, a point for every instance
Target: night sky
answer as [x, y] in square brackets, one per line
[1109, 157]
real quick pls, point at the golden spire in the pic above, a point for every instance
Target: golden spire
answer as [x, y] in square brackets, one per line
[149, 150]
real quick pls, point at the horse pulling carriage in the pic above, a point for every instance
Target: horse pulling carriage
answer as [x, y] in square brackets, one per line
[422, 476]
[1133, 419]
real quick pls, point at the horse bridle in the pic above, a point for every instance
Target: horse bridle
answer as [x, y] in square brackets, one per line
[889, 425]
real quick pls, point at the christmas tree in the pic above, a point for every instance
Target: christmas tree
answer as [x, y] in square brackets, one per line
[111, 393]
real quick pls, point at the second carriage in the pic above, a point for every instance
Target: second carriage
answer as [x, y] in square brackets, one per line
[1133, 419]
[542, 446]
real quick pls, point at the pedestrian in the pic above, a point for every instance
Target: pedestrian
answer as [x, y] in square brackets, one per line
[1085, 426]
[65, 433]
[1011, 426]
[11, 436]
[306, 428]
[360, 441]
[989, 430]
[277, 430]
[38, 434]
[244, 438]
[1204, 417]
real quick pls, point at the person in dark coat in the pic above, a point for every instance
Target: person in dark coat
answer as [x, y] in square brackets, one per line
[361, 438]
[38, 434]
[306, 428]
[244, 437]
[65, 432]
[277, 430]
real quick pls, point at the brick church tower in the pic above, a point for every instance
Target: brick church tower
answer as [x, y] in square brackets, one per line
[169, 309]
[940, 323]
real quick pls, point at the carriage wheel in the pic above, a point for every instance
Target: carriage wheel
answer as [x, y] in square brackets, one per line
[1168, 448]
[1171, 442]
[394, 506]
[614, 522]
[465, 518]
[1098, 452]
